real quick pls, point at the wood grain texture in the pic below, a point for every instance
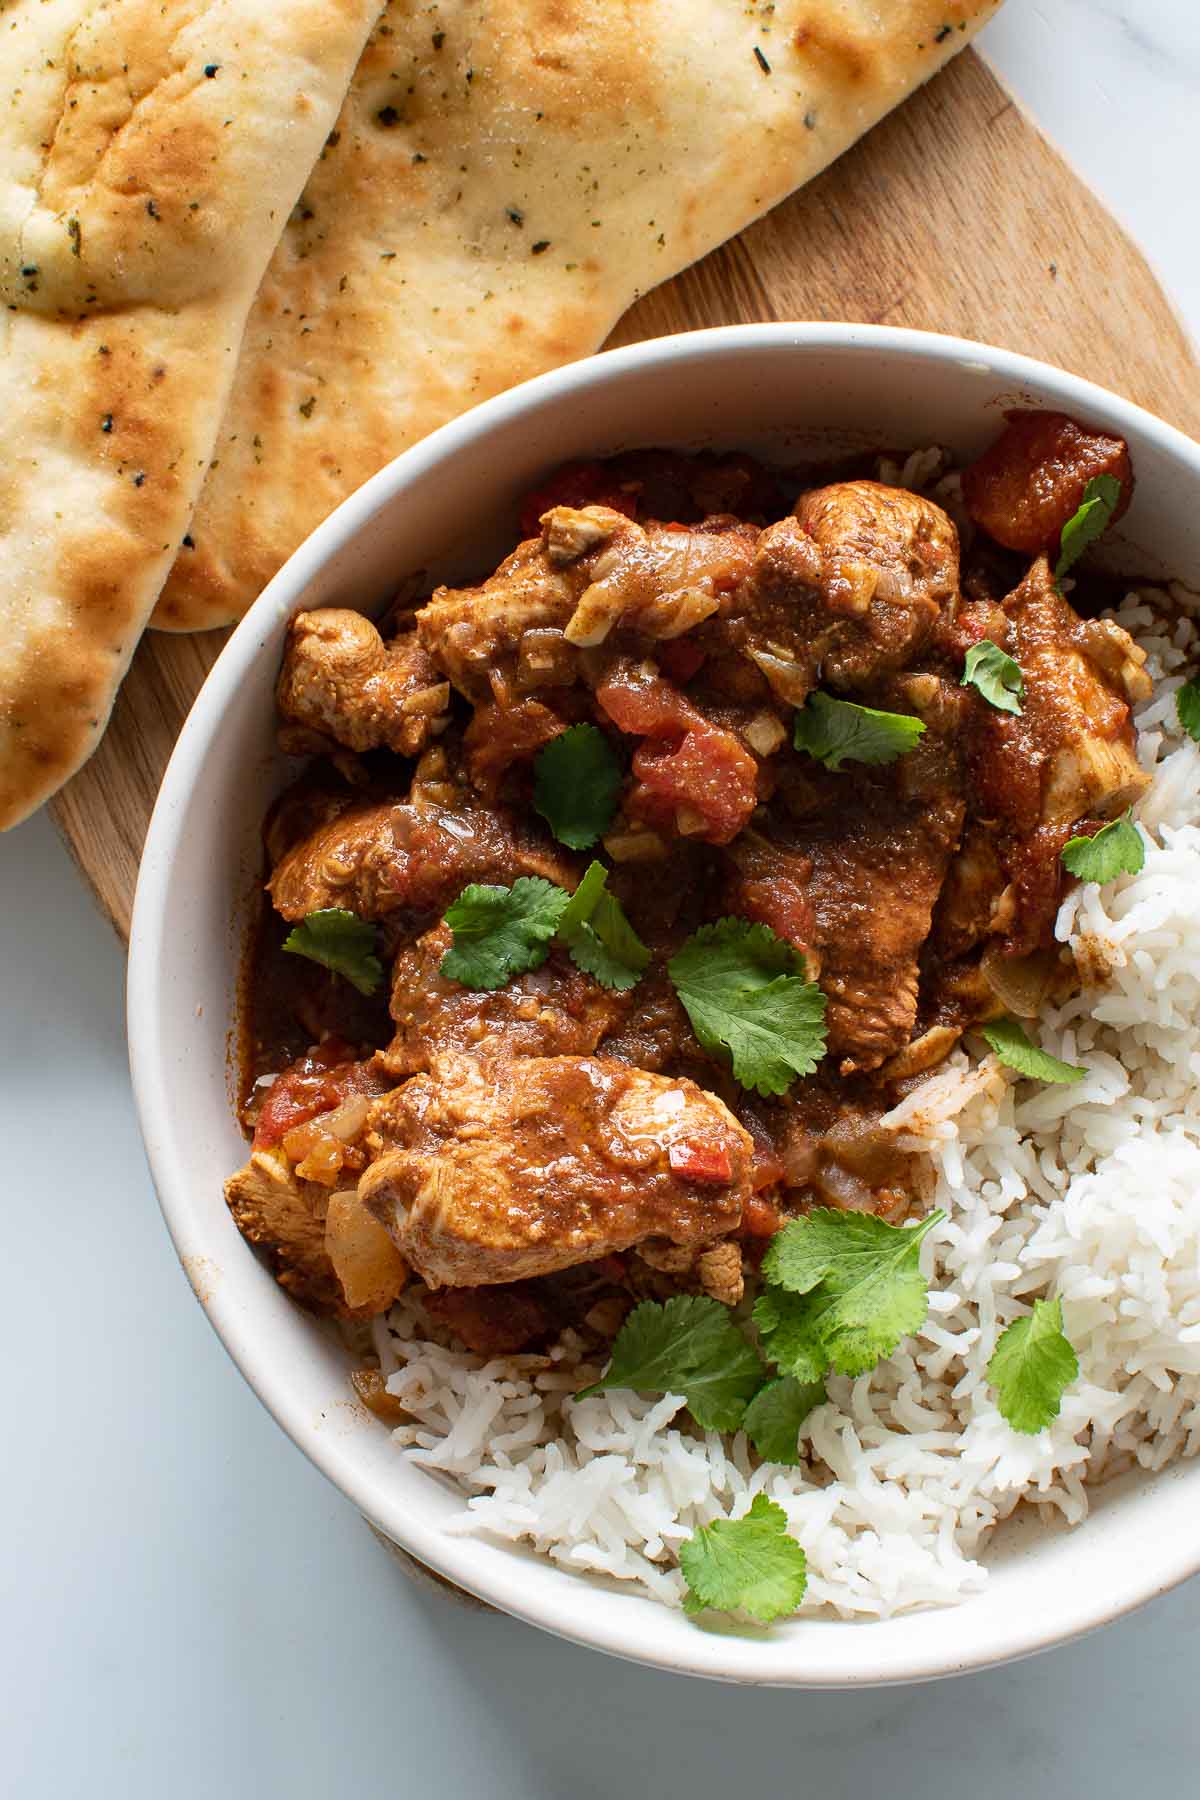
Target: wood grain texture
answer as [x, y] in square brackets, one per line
[953, 215]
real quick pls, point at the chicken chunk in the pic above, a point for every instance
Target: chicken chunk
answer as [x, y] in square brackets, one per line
[1070, 752]
[657, 580]
[1031, 481]
[856, 886]
[346, 862]
[552, 1011]
[849, 589]
[977, 877]
[277, 1209]
[339, 678]
[311, 803]
[1038, 882]
[375, 859]
[273, 1207]
[888, 555]
[719, 1271]
[472, 632]
[497, 1172]
[592, 570]
[873, 890]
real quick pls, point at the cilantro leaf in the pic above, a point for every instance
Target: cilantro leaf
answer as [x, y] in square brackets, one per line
[1187, 707]
[855, 1289]
[994, 674]
[747, 993]
[608, 948]
[580, 904]
[500, 932]
[1100, 499]
[790, 1334]
[775, 1415]
[751, 1565]
[688, 1346]
[1011, 1044]
[838, 731]
[1032, 1366]
[341, 941]
[599, 937]
[576, 779]
[1116, 849]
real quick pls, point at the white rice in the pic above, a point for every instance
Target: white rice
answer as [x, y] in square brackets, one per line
[1090, 1191]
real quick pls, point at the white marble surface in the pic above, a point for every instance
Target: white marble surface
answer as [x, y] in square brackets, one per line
[190, 1611]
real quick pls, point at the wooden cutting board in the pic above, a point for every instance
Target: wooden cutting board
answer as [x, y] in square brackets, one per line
[953, 215]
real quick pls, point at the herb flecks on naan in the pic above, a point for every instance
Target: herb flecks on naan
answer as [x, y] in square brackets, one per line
[149, 155]
[504, 180]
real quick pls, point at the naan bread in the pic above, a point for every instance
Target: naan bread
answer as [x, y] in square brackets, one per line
[149, 155]
[505, 178]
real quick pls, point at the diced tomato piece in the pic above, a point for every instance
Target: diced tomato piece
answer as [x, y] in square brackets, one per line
[679, 659]
[760, 1219]
[575, 484]
[709, 774]
[688, 763]
[1025, 488]
[310, 1087]
[646, 706]
[694, 1160]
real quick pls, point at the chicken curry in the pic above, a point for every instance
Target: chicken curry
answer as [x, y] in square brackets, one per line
[635, 885]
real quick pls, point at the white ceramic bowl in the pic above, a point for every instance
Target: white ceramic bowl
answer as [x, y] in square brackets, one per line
[447, 506]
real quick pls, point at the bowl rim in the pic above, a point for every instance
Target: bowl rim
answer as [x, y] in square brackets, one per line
[735, 1658]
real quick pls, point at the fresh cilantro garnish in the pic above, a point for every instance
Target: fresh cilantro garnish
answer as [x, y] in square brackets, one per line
[751, 1565]
[747, 993]
[1011, 1044]
[1099, 503]
[500, 932]
[599, 937]
[790, 1334]
[844, 1289]
[1032, 1366]
[776, 1413]
[1187, 707]
[582, 902]
[342, 942]
[838, 731]
[576, 780]
[994, 674]
[1116, 849]
[688, 1346]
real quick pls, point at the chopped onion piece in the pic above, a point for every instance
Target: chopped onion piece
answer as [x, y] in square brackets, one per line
[765, 733]
[1018, 982]
[787, 678]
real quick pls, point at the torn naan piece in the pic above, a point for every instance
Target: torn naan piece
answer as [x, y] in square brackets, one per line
[506, 177]
[149, 155]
